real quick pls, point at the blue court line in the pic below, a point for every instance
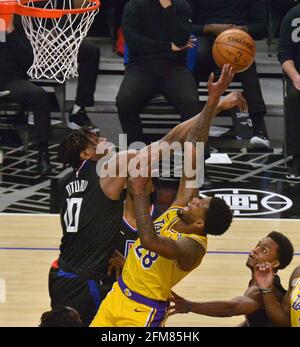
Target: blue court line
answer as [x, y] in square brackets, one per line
[57, 249]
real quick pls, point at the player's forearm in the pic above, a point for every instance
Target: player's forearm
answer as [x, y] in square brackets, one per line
[275, 311]
[200, 130]
[213, 308]
[146, 231]
[144, 222]
[180, 132]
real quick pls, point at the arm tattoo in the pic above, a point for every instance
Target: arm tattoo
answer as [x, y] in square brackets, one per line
[188, 249]
[144, 222]
[164, 246]
[198, 133]
[200, 130]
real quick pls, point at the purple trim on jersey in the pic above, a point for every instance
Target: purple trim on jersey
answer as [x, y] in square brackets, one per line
[150, 317]
[159, 305]
[131, 227]
[159, 317]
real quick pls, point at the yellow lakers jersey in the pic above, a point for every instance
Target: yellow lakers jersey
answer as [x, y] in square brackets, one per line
[150, 274]
[295, 304]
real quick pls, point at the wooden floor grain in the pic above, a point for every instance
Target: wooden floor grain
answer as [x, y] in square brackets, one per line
[28, 245]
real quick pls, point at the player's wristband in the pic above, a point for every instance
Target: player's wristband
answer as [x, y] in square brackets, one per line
[265, 290]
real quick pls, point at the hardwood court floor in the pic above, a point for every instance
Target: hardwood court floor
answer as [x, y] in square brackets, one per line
[28, 245]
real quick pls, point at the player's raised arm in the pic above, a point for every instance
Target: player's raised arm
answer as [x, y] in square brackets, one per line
[164, 246]
[180, 132]
[168, 247]
[199, 132]
[113, 185]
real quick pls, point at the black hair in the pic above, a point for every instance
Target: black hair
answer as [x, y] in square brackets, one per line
[285, 248]
[61, 316]
[71, 147]
[218, 217]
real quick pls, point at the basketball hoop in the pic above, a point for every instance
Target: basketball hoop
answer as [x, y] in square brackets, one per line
[55, 29]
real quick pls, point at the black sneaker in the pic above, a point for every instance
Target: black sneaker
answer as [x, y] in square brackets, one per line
[79, 120]
[293, 172]
[259, 140]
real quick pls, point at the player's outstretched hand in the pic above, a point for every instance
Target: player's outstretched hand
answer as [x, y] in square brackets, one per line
[180, 304]
[264, 275]
[216, 89]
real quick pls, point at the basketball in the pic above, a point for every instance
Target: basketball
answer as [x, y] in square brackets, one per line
[234, 47]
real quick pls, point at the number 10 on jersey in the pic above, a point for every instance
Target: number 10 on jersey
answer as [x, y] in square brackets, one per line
[71, 217]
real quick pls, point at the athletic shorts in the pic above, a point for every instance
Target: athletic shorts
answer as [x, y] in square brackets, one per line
[124, 308]
[68, 289]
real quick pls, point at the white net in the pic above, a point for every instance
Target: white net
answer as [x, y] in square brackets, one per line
[56, 41]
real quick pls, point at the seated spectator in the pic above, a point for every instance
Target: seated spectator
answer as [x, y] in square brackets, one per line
[210, 18]
[15, 59]
[157, 34]
[289, 57]
[61, 316]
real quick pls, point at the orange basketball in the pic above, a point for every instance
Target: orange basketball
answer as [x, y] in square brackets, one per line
[234, 47]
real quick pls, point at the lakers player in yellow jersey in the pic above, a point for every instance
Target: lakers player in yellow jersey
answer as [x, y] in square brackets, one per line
[286, 314]
[171, 246]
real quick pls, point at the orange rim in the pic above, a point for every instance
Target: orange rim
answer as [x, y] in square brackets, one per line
[10, 7]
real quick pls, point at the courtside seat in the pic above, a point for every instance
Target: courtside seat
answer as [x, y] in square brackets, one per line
[8, 121]
[9, 111]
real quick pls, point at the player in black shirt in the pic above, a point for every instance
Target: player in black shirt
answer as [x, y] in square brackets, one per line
[90, 221]
[92, 209]
[278, 249]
